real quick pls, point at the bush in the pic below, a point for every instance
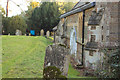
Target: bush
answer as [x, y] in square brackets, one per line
[111, 65]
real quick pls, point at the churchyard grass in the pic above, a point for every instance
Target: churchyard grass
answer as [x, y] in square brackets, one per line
[72, 73]
[23, 56]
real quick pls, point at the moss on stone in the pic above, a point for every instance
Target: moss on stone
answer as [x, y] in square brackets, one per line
[52, 72]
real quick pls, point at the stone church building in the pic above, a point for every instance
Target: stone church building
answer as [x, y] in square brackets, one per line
[87, 29]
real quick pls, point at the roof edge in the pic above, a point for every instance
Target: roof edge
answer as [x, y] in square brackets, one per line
[87, 6]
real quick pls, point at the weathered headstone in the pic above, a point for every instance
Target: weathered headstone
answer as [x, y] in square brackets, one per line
[18, 32]
[57, 55]
[47, 33]
[9, 34]
[42, 32]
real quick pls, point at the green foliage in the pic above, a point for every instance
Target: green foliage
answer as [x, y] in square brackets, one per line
[34, 4]
[65, 6]
[38, 16]
[111, 65]
[11, 24]
[68, 6]
[23, 56]
[114, 63]
[27, 15]
[6, 23]
[52, 72]
[46, 16]
[2, 11]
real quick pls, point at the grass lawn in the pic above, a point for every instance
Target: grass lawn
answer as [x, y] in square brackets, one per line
[23, 56]
[72, 73]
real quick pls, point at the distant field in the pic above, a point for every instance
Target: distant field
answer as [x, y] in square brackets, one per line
[23, 56]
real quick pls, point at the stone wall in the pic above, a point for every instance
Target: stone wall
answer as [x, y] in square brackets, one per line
[109, 23]
[71, 21]
[79, 51]
[108, 29]
[59, 32]
[119, 23]
[75, 20]
[92, 61]
[86, 31]
[57, 55]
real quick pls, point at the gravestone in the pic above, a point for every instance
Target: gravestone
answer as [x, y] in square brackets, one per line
[47, 33]
[18, 32]
[29, 34]
[57, 55]
[42, 32]
[9, 34]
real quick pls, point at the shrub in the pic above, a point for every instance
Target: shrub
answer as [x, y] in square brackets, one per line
[111, 65]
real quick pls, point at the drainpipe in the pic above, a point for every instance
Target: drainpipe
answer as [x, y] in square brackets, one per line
[83, 37]
[54, 36]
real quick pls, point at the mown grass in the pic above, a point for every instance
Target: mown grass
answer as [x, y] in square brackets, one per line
[23, 56]
[72, 73]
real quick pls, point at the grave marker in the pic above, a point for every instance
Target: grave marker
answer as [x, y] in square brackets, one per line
[42, 32]
[47, 33]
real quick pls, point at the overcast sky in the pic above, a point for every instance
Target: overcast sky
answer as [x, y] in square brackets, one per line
[14, 9]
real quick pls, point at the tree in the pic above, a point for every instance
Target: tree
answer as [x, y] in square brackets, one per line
[2, 11]
[27, 14]
[34, 4]
[46, 16]
[68, 6]
[5, 23]
[65, 6]
[11, 24]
